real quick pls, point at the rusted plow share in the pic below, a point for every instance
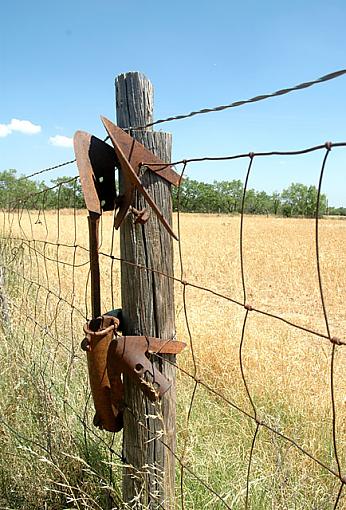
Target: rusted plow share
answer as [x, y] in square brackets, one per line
[109, 354]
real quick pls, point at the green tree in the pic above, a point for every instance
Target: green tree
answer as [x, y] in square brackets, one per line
[195, 196]
[275, 200]
[250, 202]
[21, 192]
[263, 203]
[17, 192]
[230, 195]
[337, 211]
[65, 194]
[301, 200]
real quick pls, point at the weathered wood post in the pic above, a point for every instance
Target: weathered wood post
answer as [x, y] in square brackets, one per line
[148, 309]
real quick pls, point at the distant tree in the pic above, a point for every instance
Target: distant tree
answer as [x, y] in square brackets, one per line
[209, 199]
[230, 193]
[195, 196]
[301, 200]
[337, 211]
[263, 203]
[250, 202]
[275, 201]
[219, 197]
[65, 194]
[16, 191]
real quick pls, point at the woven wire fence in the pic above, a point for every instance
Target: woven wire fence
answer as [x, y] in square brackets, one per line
[260, 389]
[46, 260]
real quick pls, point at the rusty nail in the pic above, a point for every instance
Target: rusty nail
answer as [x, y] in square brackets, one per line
[141, 216]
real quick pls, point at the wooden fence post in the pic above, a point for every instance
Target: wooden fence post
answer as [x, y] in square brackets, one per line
[148, 309]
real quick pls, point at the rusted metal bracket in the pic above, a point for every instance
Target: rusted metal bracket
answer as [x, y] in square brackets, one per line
[130, 355]
[110, 356]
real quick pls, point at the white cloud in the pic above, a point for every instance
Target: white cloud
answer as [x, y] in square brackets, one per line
[4, 130]
[22, 126]
[61, 141]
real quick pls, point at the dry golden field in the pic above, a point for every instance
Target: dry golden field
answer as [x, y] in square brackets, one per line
[287, 370]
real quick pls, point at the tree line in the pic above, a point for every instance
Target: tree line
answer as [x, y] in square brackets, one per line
[192, 196]
[20, 192]
[226, 197]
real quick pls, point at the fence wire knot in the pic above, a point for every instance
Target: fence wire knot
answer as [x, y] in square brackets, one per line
[337, 341]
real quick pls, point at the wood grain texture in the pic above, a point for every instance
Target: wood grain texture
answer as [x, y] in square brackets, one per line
[148, 309]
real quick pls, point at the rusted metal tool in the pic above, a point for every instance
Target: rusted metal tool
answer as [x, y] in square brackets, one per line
[109, 355]
[131, 155]
[96, 162]
[99, 334]
[129, 355]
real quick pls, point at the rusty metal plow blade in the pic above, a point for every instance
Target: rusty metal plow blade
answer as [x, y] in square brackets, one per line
[131, 155]
[96, 161]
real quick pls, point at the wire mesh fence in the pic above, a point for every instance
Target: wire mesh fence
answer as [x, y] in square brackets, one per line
[45, 257]
[261, 392]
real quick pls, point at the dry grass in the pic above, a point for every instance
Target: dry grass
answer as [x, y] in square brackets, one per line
[287, 370]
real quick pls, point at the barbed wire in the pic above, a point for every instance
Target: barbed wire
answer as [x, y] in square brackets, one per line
[44, 170]
[281, 92]
[287, 90]
[50, 168]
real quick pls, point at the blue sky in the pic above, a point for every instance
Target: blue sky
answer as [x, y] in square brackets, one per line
[59, 60]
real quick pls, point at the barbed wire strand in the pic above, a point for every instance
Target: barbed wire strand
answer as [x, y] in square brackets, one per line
[281, 92]
[234, 104]
[44, 170]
